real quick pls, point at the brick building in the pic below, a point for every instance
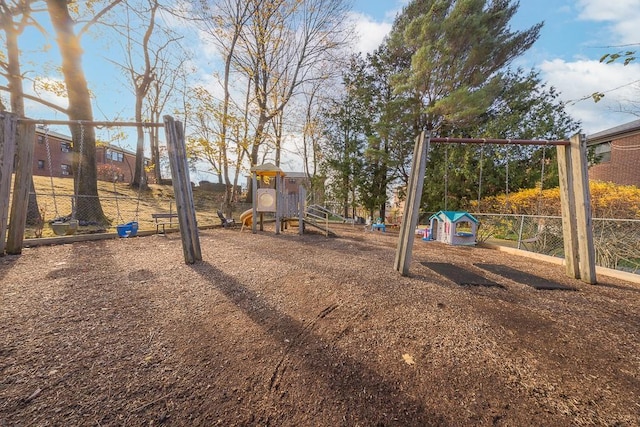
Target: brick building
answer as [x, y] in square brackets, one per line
[618, 154]
[56, 149]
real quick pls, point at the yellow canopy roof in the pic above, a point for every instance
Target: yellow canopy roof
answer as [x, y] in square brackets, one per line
[267, 169]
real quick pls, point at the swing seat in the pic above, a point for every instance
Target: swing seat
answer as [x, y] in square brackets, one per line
[226, 222]
[129, 229]
[64, 228]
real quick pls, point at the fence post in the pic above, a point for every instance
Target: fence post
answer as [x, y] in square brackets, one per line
[520, 231]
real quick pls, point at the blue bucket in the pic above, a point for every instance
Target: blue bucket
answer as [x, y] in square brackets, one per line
[129, 229]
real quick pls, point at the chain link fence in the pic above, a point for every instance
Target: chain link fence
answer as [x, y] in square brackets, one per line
[116, 204]
[616, 241]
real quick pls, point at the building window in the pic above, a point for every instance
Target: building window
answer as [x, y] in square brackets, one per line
[603, 152]
[115, 156]
[65, 147]
[40, 139]
[40, 164]
[66, 170]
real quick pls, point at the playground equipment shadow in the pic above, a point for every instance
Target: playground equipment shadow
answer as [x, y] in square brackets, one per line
[294, 330]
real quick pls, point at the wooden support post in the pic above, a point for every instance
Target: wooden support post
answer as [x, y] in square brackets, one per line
[584, 223]
[302, 199]
[21, 187]
[414, 196]
[8, 127]
[254, 196]
[278, 203]
[567, 208]
[182, 190]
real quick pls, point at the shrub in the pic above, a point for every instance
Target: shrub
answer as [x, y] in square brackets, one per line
[608, 200]
[110, 172]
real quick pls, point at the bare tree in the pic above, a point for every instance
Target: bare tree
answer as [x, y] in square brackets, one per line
[284, 43]
[224, 21]
[88, 207]
[14, 17]
[146, 55]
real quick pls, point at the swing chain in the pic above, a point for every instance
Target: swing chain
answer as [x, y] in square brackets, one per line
[78, 176]
[53, 189]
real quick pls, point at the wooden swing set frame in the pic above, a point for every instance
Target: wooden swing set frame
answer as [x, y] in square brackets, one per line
[575, 201]
[20, 132]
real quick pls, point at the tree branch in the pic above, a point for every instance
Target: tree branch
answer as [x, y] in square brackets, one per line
[96, 18]
[40, 101]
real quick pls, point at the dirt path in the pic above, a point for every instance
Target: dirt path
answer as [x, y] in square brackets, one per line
[306, 331]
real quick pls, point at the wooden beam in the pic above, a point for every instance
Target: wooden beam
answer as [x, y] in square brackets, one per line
[278, 202]
[567, 209]
[8, 133]
[91, 123]
[414, 196]
[584, 222]
[302, 201]
[254, 206]
[21, 187]
[499, 141]
[182, 190]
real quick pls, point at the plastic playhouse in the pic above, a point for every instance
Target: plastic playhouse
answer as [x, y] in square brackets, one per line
[453, 228]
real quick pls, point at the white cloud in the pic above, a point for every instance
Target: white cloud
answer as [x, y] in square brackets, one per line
[34, 108]
[577, 80]
[370, 33]
[613, 23]
[623, 17]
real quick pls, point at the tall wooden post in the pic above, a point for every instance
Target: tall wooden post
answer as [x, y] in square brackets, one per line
[584, 223]
[182, 190]
[567, 208]
[21, 186]
[254, 197]
[302, 200]
[414, 196]
[8, 126]
[278, 202]
[575, 200]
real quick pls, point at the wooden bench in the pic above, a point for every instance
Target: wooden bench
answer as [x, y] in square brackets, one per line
[162, 219]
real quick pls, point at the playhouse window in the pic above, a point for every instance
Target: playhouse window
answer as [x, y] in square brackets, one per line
[463, 228]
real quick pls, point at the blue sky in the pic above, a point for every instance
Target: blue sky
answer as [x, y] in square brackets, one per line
[576, 34]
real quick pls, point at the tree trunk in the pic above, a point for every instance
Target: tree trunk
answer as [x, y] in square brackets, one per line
[14, 79]
[155, 153]
[87, 207]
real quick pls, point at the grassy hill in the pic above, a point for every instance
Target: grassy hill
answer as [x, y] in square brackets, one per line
[120, 203]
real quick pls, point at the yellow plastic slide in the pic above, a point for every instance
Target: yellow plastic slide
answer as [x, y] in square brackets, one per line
[246, 218]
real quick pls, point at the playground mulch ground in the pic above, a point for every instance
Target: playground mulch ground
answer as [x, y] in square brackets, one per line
[288, 330]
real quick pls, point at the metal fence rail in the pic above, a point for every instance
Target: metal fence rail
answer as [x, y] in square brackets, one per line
[616, 241]
[117, 209]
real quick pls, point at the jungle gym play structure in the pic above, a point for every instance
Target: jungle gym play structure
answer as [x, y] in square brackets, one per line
[268, 199]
